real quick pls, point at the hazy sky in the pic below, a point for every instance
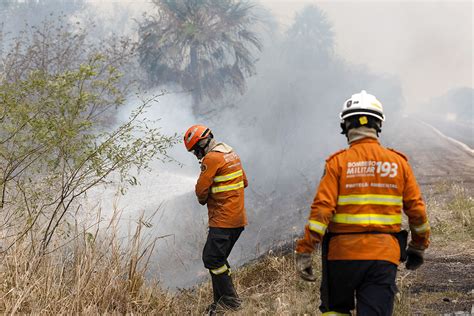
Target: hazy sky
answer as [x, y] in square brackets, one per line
[427, 44]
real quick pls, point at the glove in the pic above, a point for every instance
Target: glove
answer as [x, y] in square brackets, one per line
[414, 258]
[304, 266]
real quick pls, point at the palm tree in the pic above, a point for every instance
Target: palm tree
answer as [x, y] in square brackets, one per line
[205, 46]
[310, 37]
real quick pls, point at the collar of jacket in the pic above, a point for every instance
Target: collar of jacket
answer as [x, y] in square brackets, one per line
[356, 134]
[221, 147]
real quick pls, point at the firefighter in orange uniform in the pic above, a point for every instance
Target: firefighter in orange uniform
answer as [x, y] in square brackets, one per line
[221, 186]
[356, 215]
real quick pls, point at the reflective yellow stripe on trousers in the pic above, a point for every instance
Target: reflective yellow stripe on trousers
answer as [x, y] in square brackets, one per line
[363, 199]
[335, 314]
[220, 270]
[367, 219]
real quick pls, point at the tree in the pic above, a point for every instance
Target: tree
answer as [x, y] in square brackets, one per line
[310, 37]
[54, 91]
[205, 46]
[56, 46]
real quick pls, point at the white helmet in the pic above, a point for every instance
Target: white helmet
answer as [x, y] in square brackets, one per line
[362, 104]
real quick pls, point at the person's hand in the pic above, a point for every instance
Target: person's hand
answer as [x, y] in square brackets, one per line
[304, 267]
[414, 258]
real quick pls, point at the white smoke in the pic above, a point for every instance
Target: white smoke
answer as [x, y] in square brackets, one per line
[283, 128]
[166, 190]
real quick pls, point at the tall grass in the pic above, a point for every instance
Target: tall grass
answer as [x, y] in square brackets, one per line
[97, 272]
[452, 214]
[462, 206]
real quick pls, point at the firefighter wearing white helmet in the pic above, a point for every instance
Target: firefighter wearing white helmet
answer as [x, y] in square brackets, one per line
[356, 216]
[362, 109]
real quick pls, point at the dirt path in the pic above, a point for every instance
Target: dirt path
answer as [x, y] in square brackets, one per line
[432, 157]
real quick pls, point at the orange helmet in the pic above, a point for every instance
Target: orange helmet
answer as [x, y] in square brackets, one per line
[194, 134]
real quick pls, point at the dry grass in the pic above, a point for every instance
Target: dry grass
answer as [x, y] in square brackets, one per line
[92, 274]
[462, 207]
[271, 287]
[451, 211]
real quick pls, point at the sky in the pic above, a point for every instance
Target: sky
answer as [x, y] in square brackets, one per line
[427, 44]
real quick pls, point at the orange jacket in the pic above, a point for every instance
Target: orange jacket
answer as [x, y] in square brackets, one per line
[364, 188]
[221, 185]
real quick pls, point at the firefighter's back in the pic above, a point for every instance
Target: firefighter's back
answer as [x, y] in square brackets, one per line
[370, 199]
[226, 201]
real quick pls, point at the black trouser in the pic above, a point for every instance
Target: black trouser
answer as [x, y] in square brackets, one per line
[372, 281]
[219, 244]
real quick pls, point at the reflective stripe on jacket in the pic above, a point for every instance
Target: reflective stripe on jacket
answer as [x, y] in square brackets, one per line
[221, 186]
[364, 189]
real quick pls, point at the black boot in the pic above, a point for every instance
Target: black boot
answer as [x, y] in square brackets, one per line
[230, 303]
[215, 288]
[224, 292]
[211, 310]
